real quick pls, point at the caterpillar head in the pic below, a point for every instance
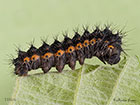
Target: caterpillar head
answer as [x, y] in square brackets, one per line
[113, 54]
[22, 64]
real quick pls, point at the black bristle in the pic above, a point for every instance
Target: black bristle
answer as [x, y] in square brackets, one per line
[67, 42]
[56, 46]
[44, 48]
[32, 50]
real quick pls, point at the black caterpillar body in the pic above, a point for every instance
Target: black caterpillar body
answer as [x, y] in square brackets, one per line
[103, 44]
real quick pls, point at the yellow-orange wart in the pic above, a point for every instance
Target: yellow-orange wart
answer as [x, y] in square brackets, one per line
[70, 49]
[47, 55]
[59, 53]
[93, 41]
[35, 57]
[78, 46]
[106, 41]
[26, 59]
[99, 39]
[110, 46]
[86, 43]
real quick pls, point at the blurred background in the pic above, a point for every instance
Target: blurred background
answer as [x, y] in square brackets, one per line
[22, 21]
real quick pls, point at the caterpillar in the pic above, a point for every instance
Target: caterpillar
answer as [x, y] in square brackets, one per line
[104, 44]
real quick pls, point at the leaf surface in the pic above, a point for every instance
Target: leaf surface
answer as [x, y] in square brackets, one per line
[89, 85]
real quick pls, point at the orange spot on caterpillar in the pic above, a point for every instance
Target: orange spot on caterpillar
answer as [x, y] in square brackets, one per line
[92, 42]
[47, 55]
[70, 49]
[35, 57]
[26, 59]
[106, 41]
[78, 46]
[86, 43]
[59, 53]
[110, 46]
[79, 38]
[99, 39]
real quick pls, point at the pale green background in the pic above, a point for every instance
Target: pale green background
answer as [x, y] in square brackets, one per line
[21, 21]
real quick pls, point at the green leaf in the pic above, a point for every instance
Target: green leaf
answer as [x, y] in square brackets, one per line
[89, 85]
